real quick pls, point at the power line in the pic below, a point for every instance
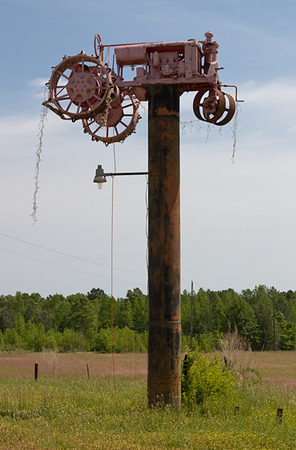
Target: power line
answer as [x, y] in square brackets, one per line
[59, 265]
[69, 256]
[66, 254]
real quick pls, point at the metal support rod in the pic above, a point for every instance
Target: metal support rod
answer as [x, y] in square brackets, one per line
[115, 174]
[164, 347]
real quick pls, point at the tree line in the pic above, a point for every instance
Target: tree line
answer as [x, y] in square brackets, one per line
[265, 317]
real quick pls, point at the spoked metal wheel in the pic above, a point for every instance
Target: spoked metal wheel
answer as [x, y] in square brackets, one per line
[116, 123]
[80, 87]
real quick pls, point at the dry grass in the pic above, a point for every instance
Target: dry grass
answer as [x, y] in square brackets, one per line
[275, 367]
[52, 364]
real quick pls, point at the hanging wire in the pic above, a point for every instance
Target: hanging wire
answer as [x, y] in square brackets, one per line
[234, 131]
[112, 253]
[40, 135]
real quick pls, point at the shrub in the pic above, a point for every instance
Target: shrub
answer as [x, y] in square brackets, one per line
[50, 340]
[185, 342]
[72, 341]
[34, 336]
[12, 340]
[208, 342]
[2, 343]
[103, 341]
[202, 378]
[125, 340]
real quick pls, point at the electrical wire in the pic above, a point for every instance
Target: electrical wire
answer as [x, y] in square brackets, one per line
[112, 279]
[60, 265]
[66, 254]
[83, 259]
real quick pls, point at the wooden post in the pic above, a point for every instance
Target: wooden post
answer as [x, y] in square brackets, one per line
[36, 371]
[164, 346]
[279, 415]
[87, 369]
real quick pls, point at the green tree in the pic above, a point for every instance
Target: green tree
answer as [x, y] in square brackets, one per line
[56, 310]
[124, 314]
[34, 336]
[82, 316]
[185, 313]
[285, 332]
[95, 294]
[263, 307]
[233, 312]
[202, 313]
[139, 306]
[104, 311]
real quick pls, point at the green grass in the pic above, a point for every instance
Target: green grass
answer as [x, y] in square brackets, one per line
[77, 413]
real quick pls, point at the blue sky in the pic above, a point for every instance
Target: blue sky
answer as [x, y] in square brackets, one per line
[238, 220]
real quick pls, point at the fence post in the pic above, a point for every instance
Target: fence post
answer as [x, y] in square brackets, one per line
[36, 371]
[279, 415]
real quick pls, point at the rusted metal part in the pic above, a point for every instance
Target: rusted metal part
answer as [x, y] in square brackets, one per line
[228, 111]
[214, 106]
[164, 353]
[119, 122]
[80, 87]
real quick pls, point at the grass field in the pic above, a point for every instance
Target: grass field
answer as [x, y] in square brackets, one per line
[67, 409]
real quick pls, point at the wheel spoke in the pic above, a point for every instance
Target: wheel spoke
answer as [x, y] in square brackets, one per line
[63, 97]
[61, 88]
[68, 107]
[95, 131]
[124, 124]
[63, 75]
[97, 97]
[126, 106]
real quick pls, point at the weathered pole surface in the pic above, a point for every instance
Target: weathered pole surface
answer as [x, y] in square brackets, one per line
[164, 348]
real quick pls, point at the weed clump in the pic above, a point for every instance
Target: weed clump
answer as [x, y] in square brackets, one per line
[203, 379]
[239, 357]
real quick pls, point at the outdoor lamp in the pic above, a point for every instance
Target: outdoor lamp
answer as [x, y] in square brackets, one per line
[100, 177]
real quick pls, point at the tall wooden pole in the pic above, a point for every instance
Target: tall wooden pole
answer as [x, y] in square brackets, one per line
[164, 349]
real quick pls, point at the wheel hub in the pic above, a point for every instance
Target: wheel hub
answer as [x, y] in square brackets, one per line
[81, 87]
